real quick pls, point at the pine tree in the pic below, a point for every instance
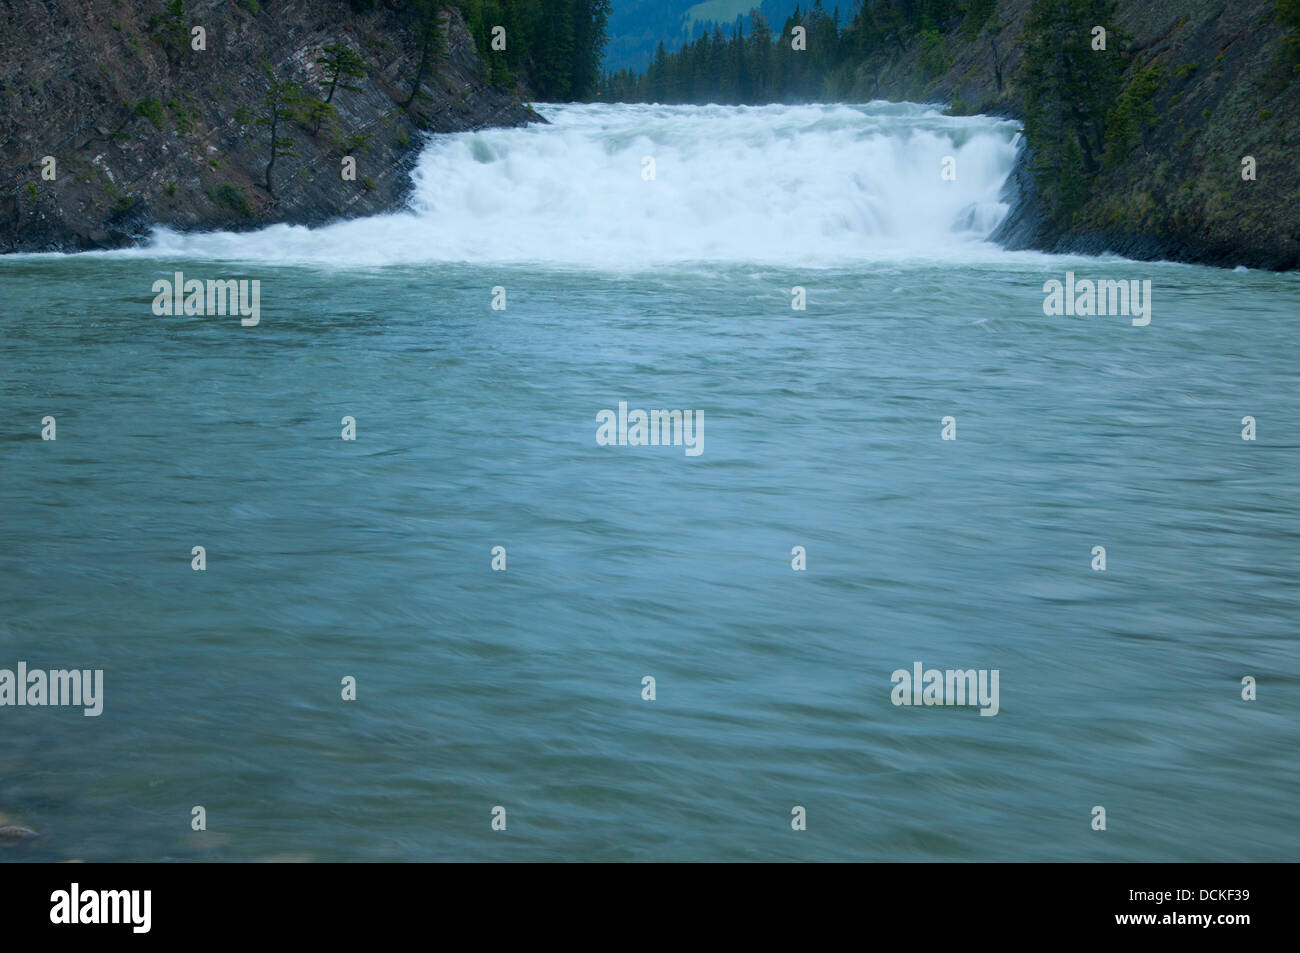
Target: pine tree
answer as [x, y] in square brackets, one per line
[590, 20]
[281, 106]
[1069, 89]
[429, 14]
[341, 64]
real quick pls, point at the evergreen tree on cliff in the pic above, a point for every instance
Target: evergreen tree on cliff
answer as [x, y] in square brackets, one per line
[429, 26]
[1069, 87]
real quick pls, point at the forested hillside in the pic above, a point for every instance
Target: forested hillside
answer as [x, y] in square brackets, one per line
[638, 27]
[554, 46]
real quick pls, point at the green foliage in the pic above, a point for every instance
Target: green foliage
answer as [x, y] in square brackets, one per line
[341, 64]
[757, 66]
[313, 112]
[934, 53]
[233, 198]
[977, 14]
[30, 189]
[168, 29]
[1288, 16]
[357, 142]
[1069, 89]
[428, 18]
[184, 116]
[558, 44]
[281, 105]
[760, 65]
[1134, 113]
[152, 110]
[121, 199]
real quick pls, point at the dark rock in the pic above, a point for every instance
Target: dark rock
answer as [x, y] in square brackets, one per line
[144, 134]
[1026, 226]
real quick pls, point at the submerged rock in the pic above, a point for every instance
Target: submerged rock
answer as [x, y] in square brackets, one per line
[12, 833]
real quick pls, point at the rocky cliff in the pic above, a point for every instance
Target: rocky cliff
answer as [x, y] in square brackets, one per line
[1221, 88]
[118, 115]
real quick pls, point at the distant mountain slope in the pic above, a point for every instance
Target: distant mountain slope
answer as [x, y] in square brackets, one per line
[637, 27]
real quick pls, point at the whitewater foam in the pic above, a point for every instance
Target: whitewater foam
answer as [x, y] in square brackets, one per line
[812, 185]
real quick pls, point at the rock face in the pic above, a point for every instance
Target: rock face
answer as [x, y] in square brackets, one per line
[143, 129]
[1225, 91]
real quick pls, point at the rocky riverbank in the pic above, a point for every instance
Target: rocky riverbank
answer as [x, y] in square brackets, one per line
[1211, 84]
[119, 115]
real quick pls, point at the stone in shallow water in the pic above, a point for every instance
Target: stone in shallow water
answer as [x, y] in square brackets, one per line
[12, 832]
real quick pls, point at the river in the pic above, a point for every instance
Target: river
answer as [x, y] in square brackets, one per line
[669, 284]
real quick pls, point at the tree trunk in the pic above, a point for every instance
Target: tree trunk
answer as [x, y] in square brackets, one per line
[275, 122]
[426, 42]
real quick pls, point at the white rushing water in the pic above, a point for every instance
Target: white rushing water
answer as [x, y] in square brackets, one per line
[800, 185]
